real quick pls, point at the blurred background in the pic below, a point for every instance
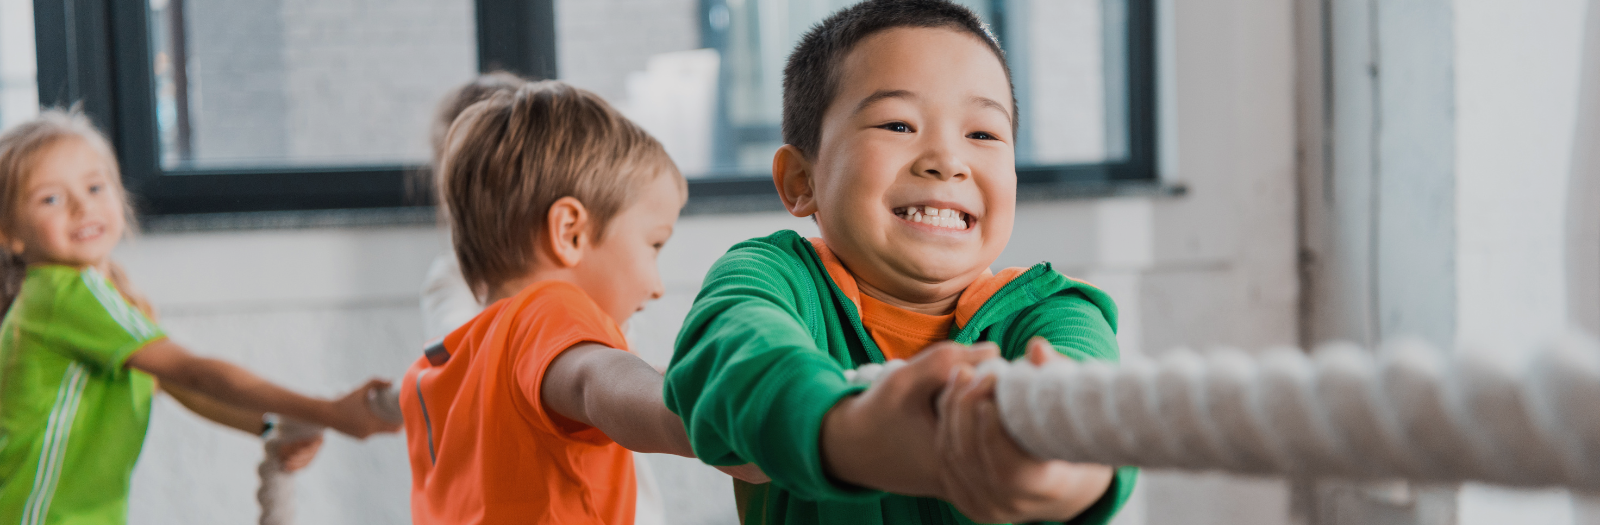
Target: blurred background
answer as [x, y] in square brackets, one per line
[1236, 173]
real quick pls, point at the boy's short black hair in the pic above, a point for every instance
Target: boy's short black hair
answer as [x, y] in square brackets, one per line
[810, 80]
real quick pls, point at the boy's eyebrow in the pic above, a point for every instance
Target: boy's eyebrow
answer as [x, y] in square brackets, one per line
[992, 103]
[881, 95]
[901, 93]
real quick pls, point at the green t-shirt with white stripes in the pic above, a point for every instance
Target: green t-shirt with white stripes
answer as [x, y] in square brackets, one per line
[72, 418]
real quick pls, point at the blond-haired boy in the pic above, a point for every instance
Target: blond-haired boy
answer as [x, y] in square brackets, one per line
[899, 121]
[558, 206]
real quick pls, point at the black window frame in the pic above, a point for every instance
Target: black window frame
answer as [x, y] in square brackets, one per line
[96, 53]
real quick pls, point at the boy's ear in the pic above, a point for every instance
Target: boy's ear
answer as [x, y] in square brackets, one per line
[791, 173]
[567, 231]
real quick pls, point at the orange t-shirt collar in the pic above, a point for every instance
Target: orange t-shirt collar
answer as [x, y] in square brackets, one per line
[901, 333]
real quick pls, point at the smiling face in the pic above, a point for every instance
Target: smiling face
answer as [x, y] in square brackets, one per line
[915, 179]
[619, 272]
[71, 210]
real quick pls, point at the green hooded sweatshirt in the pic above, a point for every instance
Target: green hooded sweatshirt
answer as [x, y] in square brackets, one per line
[761, 360]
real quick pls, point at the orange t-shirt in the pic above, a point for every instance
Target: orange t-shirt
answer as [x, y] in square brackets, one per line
[484, 449]
[901, 333]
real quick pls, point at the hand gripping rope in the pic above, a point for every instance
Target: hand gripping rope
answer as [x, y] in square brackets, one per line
[1411, 412]
[276, 494]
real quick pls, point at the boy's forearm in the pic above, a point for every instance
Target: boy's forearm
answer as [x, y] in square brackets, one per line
[857, 451]
[617, 393]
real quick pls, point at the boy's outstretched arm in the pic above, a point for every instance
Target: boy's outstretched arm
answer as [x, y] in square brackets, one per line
[619, 394]
[231, 384]
[616, 392]
[753, 384]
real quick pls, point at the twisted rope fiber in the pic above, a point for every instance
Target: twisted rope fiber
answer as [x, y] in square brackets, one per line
[1411, 412]
[276, 494]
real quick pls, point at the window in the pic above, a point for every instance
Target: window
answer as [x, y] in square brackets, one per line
[298, 83]
[19, 94]
[1083, 71]
[321, 104]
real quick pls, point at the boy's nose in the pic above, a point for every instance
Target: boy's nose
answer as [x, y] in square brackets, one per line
[941, 163]
[656, 289]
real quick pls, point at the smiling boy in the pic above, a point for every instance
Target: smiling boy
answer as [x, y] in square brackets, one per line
[899, 120]
[558, 206]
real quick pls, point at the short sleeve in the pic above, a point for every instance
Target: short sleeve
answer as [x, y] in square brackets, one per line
[552, 319]
[92, 322]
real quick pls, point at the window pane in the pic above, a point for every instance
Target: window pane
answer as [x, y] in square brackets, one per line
[268, 83]
[19, 87]
[1067, 61]
[705, 76]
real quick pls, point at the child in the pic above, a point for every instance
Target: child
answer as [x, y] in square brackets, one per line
[558, 206]
[78, 360]
[899, 121]
[447, 301]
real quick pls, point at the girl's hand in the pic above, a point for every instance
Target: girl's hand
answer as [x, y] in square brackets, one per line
[296, 455]
[353, 416]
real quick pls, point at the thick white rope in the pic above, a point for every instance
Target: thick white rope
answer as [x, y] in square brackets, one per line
[276, 494]
[1410, 412]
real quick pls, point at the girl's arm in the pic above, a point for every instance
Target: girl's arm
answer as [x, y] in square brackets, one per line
[620, 394]
[247, 421]
[295, 454]
[233, 385]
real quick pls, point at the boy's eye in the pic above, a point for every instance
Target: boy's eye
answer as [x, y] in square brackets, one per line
[982, 135]
[658, 246]
[95, 188]
[50, 200]
[897, 127]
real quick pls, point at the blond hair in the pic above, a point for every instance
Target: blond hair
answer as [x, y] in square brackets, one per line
[20, 149]
[509, 157]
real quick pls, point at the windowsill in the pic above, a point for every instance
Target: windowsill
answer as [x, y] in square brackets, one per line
[1026, 192]
[289, 220]
[699, 205]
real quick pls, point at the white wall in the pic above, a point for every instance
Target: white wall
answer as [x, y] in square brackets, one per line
[1518, 67]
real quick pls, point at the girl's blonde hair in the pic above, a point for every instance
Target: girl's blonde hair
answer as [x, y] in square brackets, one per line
[20, 148]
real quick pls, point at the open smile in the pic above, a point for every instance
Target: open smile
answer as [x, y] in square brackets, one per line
[947, 219]
[88, 233]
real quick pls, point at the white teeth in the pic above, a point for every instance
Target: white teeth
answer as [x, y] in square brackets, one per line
[941, 218]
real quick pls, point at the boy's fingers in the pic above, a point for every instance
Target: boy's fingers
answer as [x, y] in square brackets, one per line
[948, 394]
[1036, 351]
[1003, 469]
